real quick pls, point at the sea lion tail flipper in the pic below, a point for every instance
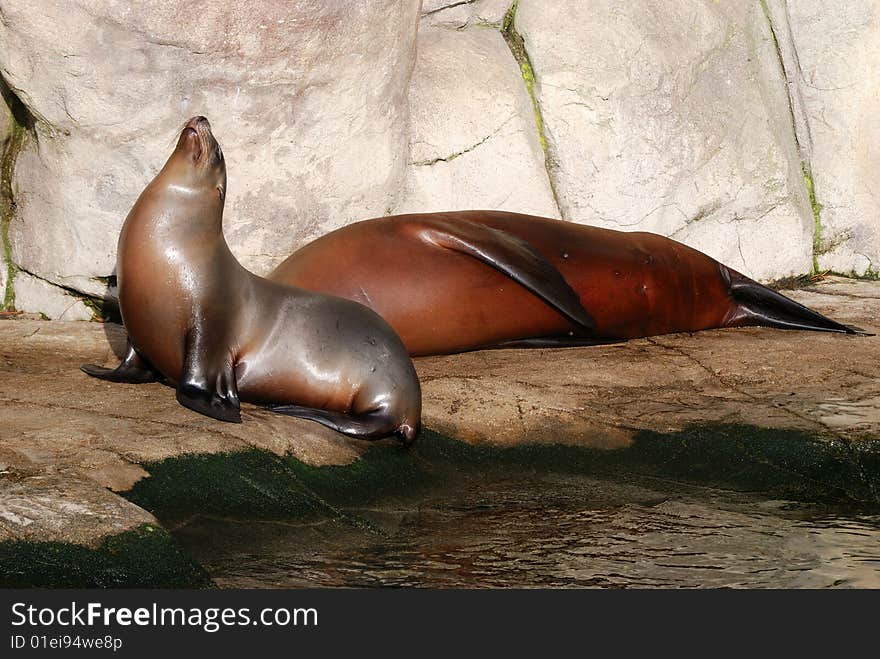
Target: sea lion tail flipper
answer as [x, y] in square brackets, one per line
[369, 425]
[207, 384]
[511, 255]
[133, 369]
[759, 305]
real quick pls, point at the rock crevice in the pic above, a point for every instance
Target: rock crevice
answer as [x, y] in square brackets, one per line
[517, 46]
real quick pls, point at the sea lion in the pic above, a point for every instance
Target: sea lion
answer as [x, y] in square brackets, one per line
[220, 333]
[449, 282]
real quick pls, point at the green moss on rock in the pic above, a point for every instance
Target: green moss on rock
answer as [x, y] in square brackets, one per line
[817, 218]
[256, 484]
[146, 557]
[7, 207]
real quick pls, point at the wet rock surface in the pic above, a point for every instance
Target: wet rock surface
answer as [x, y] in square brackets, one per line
[67, 441]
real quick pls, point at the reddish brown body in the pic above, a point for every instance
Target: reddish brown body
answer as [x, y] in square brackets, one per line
[441, 300]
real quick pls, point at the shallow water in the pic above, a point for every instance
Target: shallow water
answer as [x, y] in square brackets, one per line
[551, 531]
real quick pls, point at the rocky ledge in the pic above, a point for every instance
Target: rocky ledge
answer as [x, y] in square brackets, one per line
[85, 465]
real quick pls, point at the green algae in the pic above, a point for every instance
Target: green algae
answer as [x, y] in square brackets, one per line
[7, 209]
[809, 184]
[145, 557]
[816, 207]
[22, 125]
[785, 464]
[778, 464]
[518, 49]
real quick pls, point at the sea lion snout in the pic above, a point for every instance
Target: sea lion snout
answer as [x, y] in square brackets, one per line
[198, 121]
[196, 136]
[190, 142]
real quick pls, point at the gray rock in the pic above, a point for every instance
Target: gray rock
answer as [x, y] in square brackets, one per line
[473, 140]
[51, 507]
[308, 100]
[672, 118]
[34, 295]
[831, 53]
[456, 14]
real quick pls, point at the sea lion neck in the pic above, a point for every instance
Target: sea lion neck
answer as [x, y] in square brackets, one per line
[183, 200]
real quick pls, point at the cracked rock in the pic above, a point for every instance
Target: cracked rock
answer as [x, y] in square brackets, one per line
[308, 100]
[35, 295]
[460, 14]
[656, 112]
[473, 138]
[832, 63]
[62, 508]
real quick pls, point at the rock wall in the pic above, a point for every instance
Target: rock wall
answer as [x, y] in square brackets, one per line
[672, 118]
[831, 57]
[309, 100]
[743, 129]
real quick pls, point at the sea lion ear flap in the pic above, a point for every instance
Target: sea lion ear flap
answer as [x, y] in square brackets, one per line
[207, 384]
[509, 254]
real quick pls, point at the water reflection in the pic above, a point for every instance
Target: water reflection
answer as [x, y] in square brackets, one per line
[552, 531]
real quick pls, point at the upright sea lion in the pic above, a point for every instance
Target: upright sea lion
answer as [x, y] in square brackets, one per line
[448, 282]
[221, 333]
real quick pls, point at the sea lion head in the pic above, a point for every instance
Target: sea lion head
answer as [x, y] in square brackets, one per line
[197, 165]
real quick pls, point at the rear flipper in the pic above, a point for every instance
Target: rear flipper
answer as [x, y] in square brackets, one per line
[759, 305]
[371, 425]
[133, 369]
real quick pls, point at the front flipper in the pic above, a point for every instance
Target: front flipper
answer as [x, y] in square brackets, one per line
[133, 369]
[207, 384]
[555, 342]
[370, 425]
[509, 254]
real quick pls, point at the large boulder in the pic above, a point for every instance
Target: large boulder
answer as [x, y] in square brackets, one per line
[473, 142]
[308, 100]
[831, 52]
[672, 118]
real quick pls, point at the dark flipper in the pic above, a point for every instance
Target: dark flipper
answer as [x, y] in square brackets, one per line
[207, 384]
[133, 369]
[555, 342]
[763, 306]
[509, 254]
[372, 425]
